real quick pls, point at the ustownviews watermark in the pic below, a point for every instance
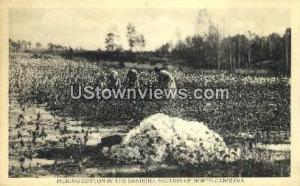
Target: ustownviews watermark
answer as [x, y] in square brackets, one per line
[90, 92]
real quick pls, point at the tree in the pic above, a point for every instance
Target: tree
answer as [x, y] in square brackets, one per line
[131, 35]
[24, 44]
[212, 44]
[70, 49]
[202, 22]
[191, 50]
[38, 45]
[14, 45]
[164, 49]
[140, 41]
[287, 38]
[276, 49]
[135, 40]
[50, 46]
[110, 44]
[29, 44]
[250, 38]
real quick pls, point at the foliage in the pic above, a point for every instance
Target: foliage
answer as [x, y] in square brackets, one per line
[256, 103]
[258, 108]
[235, 52]
[135, 40]
[110, 43]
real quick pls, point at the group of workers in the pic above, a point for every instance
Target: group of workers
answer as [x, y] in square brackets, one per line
[163, 80]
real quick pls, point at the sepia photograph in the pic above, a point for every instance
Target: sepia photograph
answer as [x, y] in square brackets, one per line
[149, 91]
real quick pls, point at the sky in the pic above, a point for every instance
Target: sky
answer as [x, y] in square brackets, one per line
[87, 28]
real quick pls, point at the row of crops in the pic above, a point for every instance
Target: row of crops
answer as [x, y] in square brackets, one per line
[255, 104]
[46, 123]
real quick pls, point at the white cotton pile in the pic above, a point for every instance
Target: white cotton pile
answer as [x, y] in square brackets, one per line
[164, 139]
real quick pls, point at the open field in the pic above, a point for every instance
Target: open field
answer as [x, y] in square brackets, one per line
[255, 118]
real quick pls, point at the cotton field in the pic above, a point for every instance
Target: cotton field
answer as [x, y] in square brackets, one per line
[51, 134]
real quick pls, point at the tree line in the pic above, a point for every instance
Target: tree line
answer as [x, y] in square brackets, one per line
[20, 45]
[212, 51]
[23, 45]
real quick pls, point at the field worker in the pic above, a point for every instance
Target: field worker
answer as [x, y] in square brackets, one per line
[132, 80]
[164, 79]
[113, 81]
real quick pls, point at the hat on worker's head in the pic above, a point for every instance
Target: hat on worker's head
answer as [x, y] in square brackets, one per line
[156, 69]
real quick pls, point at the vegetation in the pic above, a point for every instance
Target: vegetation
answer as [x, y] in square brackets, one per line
[257, 112]
[235, 52]
[255, 102]
[204, 50]
[46, 122]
